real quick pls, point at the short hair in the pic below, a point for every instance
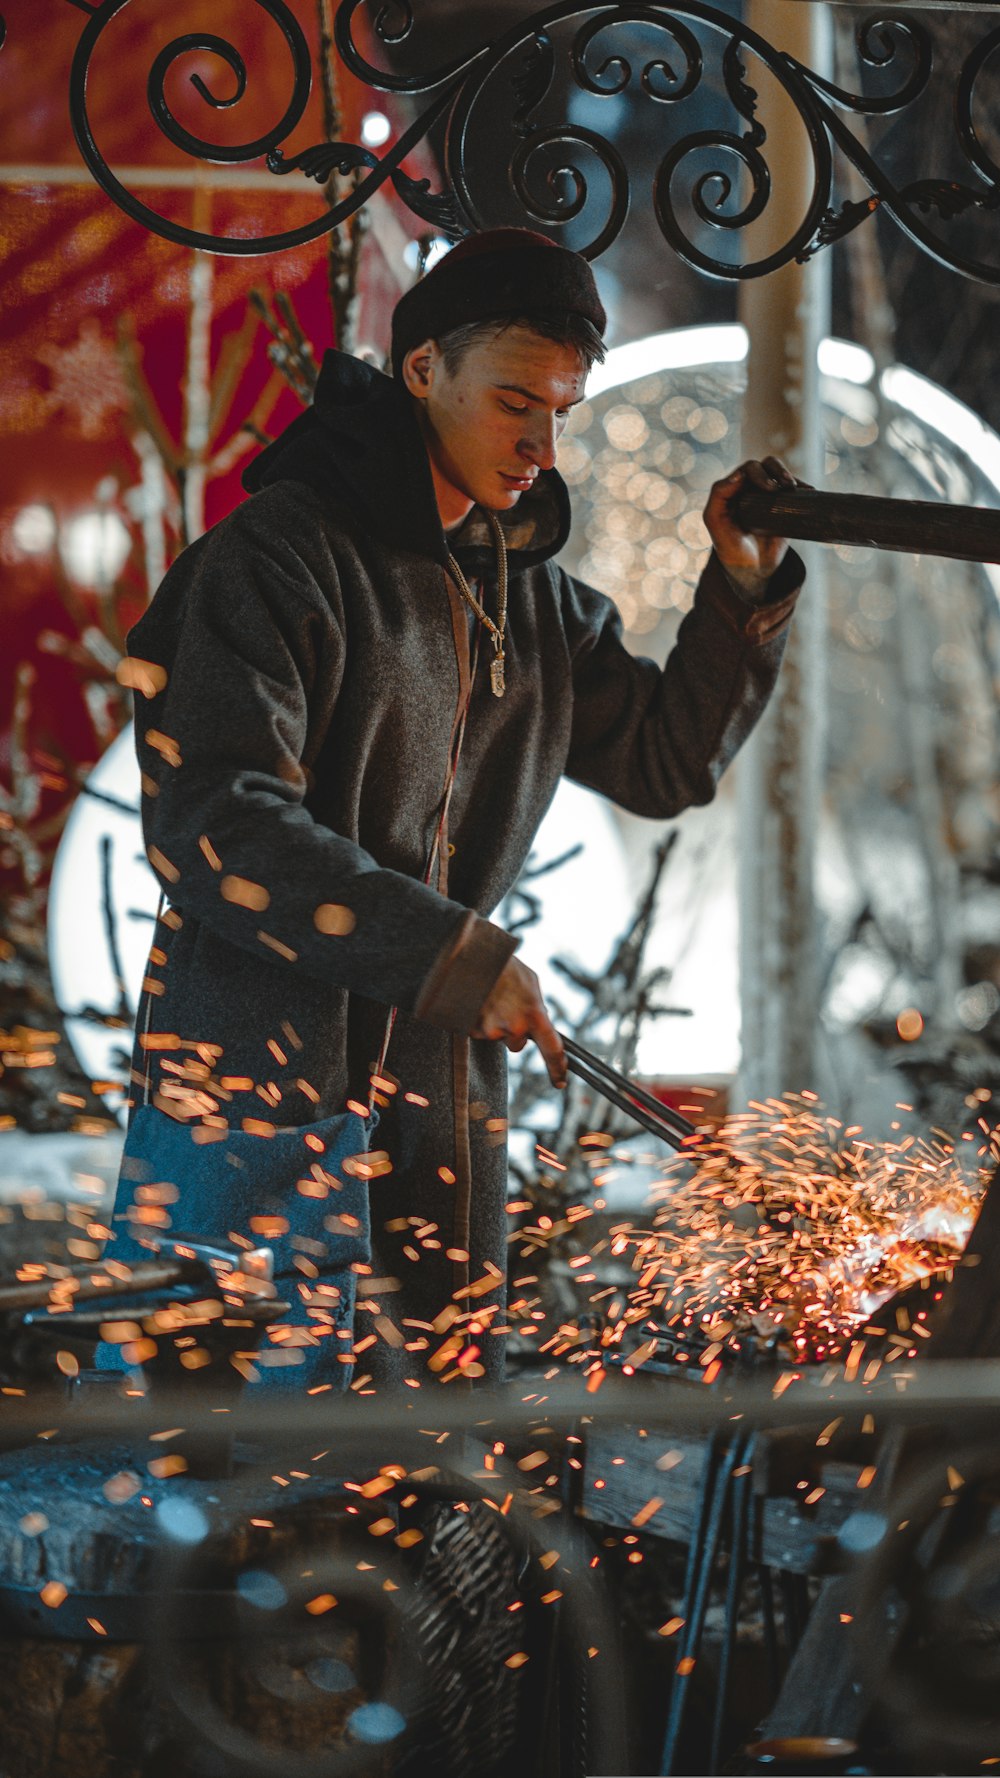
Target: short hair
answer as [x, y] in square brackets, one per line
[567, 330]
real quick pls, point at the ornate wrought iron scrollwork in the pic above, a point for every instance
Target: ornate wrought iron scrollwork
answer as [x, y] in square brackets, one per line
[746, 150]
[317, 163]
[910, 203]
[437, 208]
[562, 170]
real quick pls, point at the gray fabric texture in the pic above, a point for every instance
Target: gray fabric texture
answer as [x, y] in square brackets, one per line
[294, 761]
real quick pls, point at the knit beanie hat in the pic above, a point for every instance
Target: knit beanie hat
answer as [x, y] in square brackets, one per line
[500, 274]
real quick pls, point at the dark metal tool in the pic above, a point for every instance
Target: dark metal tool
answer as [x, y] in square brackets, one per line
[180, 1259]
[649, 1113]
[923, 527]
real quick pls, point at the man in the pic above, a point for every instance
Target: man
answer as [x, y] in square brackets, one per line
[324, 651]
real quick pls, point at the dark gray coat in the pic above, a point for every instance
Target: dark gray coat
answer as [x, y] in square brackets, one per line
[315, 655]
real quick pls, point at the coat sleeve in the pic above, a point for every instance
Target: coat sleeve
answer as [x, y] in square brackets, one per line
[249, 648]
[657, 740]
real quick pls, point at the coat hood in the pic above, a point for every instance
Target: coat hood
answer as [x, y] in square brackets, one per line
[361, 442]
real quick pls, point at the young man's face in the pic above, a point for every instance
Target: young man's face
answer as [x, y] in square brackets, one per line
[492, 425]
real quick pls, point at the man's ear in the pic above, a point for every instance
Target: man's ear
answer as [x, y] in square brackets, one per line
[420, 366]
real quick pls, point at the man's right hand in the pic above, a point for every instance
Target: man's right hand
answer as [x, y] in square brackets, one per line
[514, 1011]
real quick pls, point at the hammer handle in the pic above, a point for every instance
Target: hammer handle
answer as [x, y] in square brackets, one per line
[923, 527]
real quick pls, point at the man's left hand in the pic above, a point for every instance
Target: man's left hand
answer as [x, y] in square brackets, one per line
[749, 558]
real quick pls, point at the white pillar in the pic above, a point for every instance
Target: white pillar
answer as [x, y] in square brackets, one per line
[198, 372]
[198, 393]
[781, 773]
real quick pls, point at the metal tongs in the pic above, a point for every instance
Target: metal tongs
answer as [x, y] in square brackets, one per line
[651, 1114]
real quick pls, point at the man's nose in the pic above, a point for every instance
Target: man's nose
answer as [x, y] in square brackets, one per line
[539, 444]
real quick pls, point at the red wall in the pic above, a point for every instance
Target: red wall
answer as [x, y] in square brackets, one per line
[74, 267]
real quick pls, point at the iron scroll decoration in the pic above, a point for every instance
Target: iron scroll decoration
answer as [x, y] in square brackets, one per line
[922, 208]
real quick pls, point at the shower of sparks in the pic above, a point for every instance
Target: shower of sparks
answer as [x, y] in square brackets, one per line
[780, 1229]
[784, 1222]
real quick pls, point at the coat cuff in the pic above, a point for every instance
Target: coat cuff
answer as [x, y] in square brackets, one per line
[463, 975]
[759, 620]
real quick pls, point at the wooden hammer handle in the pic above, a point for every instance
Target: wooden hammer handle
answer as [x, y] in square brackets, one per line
[923, 527]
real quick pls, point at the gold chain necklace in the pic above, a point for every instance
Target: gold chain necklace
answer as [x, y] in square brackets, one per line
[496, 629]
